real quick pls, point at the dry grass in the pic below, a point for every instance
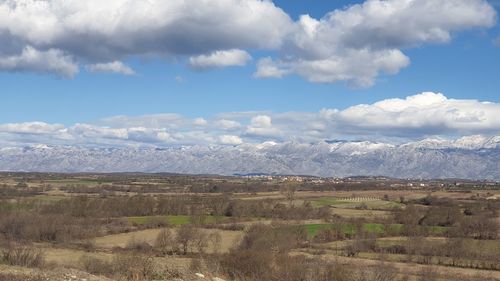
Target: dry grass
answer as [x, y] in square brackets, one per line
[412, 269]
[55, 274]
[355, 213]
[69, 257]
[229, 239]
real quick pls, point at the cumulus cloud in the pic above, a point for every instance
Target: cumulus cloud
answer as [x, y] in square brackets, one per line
[427, 113]
[354, 44]
[358, 43]
[34, 132]
[357, 67]
[89, 131]
[31, 128]
[422, 115]
[231, 140]
[261, 126]
[111, 67]
[226, 124]
[33, 60]
[200, 121]
[220, 59]
[100, 31]
[267, 68]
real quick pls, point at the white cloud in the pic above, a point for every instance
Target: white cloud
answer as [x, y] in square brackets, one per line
[358, 67]
[261, 121]
[415, 117]
[90, 132]
[98, 31]
[231, 140]
[261, 126]
[220, 59]
[267, 68]
[31, 59]
[426, 113]
[111, 67]
[31, 128]
[354, 44]
[360, 42]
[225, 124]
[200, 122]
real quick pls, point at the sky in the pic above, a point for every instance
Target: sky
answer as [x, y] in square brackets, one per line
[161, 73]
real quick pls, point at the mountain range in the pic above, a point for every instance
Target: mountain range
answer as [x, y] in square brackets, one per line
[473, 157]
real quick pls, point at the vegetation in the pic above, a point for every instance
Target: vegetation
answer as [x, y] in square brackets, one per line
[170, 227]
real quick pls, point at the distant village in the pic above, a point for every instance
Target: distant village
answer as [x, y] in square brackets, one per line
[388, 182]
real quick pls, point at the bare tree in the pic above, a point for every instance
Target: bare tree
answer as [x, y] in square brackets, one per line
[164, 241]
[428, 274]
[289, 192]
[215, 240]
[186, 236]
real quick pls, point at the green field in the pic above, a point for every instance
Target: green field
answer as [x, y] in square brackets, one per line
[313, 229]
[377, 228]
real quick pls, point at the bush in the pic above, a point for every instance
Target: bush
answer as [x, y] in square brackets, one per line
[244, 265]
[29, 226]
[276, 237]
[139, 246]
[165, 242]
[329, 235]
[395, 249]
[96, 266]
[22, 256]
[134, 267]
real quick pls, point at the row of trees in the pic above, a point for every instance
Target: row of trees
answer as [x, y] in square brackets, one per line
[222, 205]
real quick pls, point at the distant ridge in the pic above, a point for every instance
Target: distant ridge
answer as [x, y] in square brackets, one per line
[474, 157]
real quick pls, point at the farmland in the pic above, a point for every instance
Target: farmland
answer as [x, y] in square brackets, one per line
[170, 227]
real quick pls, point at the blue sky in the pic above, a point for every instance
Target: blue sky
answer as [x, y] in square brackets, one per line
[463, 67]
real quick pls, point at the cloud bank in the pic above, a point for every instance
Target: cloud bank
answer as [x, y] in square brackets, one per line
[354, 44]
[416, 117]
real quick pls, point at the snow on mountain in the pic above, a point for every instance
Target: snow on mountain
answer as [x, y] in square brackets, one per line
[431, 143]
[474, 157]
[472, 142]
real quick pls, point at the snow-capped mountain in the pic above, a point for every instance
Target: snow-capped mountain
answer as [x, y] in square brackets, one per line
[474, 157]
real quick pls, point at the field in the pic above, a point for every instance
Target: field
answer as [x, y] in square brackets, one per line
[170, 227]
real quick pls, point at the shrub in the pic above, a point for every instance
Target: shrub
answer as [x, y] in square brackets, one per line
[134, 267]
[246, 265]
[96, 266]
[139, 246]
[329, 235]
[19, 255]
[165, 242]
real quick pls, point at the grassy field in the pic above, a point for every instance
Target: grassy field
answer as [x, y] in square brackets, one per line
[376, 228]
[229, 239]
[368, 219]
